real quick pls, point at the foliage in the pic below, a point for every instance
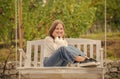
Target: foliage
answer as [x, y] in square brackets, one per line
[7, 20]
[78, 16]
[112, 16]
[37, 17]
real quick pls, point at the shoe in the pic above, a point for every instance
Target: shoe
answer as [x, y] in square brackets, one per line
[89, 62]
[86, 60]
[92, 60]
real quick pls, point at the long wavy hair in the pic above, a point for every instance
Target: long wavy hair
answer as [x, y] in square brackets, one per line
[53, 26]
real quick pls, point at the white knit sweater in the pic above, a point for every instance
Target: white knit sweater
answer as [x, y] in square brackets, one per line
[51, 45]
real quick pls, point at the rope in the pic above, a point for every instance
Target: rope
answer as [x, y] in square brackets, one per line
[16, 24]
[105, 32]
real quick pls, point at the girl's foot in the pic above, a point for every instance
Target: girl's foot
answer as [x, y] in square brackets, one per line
[79, 58]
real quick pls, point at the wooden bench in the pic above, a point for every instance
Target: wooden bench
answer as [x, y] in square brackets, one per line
[31, 61]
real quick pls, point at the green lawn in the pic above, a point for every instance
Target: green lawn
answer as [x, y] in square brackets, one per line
[101, 36]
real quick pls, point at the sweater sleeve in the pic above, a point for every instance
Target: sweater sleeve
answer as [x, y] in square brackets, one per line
[50, 45]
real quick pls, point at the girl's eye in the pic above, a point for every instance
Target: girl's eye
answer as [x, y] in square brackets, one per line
[61, 28]
[57, 28]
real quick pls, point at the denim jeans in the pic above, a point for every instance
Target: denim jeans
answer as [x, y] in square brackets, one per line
[75, 51]
[62, 56]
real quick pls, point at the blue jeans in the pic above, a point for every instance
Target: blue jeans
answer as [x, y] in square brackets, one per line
[62, 56]
[74, 51]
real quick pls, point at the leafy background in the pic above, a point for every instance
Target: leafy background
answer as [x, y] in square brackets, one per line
[82, 18]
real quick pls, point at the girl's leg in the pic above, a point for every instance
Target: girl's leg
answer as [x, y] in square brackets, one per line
[60, 58]
[75, 51]
[79, 55]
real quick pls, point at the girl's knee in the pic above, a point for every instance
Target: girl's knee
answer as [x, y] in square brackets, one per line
[62, 47]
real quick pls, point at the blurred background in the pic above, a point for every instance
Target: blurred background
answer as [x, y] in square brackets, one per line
[22, 20]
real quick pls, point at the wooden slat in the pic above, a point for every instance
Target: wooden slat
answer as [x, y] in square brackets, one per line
[28, 55]
[35, 54]
[101, 52]
[42, 54]
[85, 49]
[62, 70]
[98, 46]
[78, 46]
[91, 50]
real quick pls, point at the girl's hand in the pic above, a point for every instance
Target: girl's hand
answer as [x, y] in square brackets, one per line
[59, 40]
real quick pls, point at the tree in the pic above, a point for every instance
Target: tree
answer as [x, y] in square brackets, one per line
[112, 15]
[7, 21]
[77, 15]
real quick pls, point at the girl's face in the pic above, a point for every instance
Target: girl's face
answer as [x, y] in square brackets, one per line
[59, 31]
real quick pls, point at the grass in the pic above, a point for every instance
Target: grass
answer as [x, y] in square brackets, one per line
[101, 36]
[4, 52]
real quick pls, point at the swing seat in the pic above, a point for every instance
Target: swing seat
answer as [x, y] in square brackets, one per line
[31, 62]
